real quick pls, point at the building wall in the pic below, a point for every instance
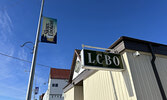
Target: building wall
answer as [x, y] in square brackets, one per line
[46, 96]
[110, 85]
[99, 87]
[55, 97]
[69, 95]
[61, 84]
[161, 64]
[53, 92]
[143, 76]
[136, 82]
[56, 92]
[75, 93]
[78, 93]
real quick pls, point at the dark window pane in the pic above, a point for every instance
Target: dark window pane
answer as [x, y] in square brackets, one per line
[56, 85]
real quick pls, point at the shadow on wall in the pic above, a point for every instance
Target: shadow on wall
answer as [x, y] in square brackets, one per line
[127, 82]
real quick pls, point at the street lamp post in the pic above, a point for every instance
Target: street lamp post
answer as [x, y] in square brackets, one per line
[32, 72]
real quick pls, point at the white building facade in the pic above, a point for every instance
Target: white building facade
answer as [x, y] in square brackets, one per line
[143, 77]
[57, 81]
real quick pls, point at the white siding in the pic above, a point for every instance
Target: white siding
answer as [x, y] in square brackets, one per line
[69, 95]
[107, 85]
[75, 93]
[61, 84]
[161, 65]
[46, 96]
[136, 82]
[55, 93]
[99, 87]
[143, 77]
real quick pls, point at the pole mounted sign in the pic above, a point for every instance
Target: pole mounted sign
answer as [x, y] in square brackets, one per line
[49, 30]
[101, 60]
[36, 90]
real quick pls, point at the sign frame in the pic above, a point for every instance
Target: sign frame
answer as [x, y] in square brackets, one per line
[100, 67]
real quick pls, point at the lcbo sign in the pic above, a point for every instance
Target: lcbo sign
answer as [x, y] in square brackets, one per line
[101, 60]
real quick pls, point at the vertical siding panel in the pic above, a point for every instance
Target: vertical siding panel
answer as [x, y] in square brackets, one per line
[150, 75]
[144, 76]
[103, 89]
[113, 85]
[134, 70]
[99, 91]
[125, 96]
[109, 81]
[75, 93]
[100, 85]
[161, 64]
[119, 86]
[122, 86]
[105, 84]
[116, 85]
[144, 79]
[78, 92]
[138, 76]
[128, 82]
[69, 95]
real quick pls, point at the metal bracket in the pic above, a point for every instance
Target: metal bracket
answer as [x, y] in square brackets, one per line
[111, 50]
[24, 44]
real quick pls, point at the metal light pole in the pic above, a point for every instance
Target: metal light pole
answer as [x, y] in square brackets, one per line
[32, 72]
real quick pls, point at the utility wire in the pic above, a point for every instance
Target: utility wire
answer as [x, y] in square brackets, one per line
[24, 60]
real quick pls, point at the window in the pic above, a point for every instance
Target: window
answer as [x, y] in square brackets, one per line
[55, 85]
[58, 95]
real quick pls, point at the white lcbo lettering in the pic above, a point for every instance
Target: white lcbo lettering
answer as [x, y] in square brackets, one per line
[108, 60]
[90, 60]
[97, 57]
[116, 61]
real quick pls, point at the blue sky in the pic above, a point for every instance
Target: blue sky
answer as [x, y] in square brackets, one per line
[90, 22]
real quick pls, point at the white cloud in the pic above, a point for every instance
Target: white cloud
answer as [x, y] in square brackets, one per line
[12, 92]
[7, 47]
[22, 55]
[10, 83]
[6, 26]
[4, 69]
[5, 33]
[14, 79]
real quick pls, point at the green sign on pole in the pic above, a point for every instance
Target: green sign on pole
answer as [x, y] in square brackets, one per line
[101, 60]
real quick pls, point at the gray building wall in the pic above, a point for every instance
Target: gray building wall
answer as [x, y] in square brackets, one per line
[53, 92]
